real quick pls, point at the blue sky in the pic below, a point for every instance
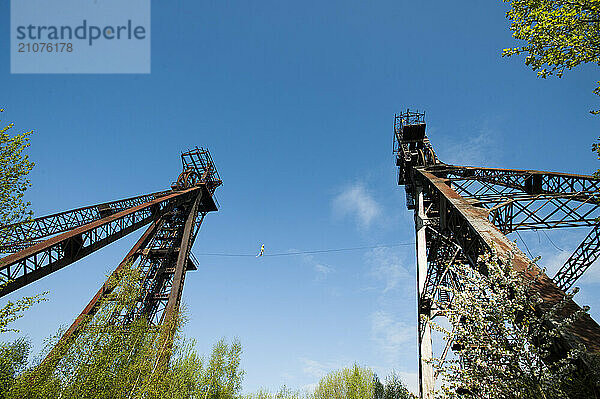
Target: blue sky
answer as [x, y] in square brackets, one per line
[296, 102]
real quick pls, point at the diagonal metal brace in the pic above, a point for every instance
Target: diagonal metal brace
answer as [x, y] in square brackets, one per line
[582, 258]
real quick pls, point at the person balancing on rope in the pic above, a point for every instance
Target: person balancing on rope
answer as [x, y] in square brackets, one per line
[262, 251]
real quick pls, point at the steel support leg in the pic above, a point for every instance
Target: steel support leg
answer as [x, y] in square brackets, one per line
[168, 317]
[426, 378]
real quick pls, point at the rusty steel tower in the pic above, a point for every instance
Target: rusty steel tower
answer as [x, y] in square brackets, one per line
[462, 212]
[44, 245]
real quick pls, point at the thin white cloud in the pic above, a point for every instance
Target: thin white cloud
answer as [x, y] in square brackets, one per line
[318, 369]
[390, 335]
[321, 269]
[477, 150]
[386, 266]
[356, 201]
[552, 263]
[476, 145]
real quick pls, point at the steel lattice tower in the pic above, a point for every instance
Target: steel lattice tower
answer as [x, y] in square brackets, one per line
[44, 245]
[462, 213]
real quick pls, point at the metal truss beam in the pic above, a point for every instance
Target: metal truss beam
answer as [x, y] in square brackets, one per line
[45, 257]
[476, 235]
[513, 210]
[584, 256]
[18, 236]
[528, 181]
[442, 253]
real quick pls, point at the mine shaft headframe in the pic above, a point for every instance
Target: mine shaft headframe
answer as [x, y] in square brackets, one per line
[38, 247]
[456, 221]
[162, 254]
[198, 168]
[411, 145]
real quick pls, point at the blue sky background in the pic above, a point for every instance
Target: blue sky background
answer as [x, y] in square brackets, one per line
[296, 102]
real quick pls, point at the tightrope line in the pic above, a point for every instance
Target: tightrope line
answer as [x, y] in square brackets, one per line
[320, 251]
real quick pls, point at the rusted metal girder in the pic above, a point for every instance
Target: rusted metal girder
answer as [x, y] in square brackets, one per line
[524, 200]
[477, 235]
[18, 236]
[532, 203]
[161, 261]
[442, 253]
[168, 317]
[43, 258]
[182, 258]
[584, 256]
[529, 181]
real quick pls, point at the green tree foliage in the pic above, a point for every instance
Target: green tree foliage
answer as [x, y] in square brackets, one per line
[222, 378]
[13, 356]
[559, 34]
[394, 388]
[378, 389]
[14, 310]
[283, 393]
[13, 360]
[14, 167]
[495, 319]
[111, 359]
[355, 382]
